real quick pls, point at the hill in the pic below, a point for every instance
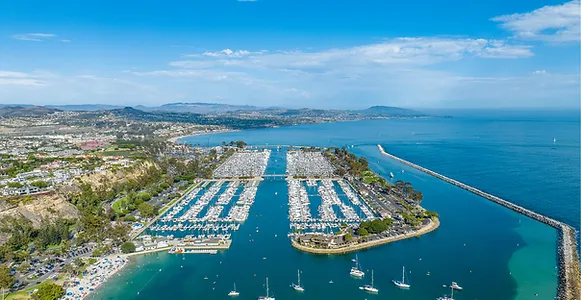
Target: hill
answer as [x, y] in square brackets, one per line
[26, 111]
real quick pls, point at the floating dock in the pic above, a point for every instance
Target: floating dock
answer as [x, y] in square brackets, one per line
[569, 276]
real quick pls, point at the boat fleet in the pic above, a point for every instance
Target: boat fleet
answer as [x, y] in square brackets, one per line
[299, 206]
[248, 163]
[357, 273]
[307, 163]
[201, 214]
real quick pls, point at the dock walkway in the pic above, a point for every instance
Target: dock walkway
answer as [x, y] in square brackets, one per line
[568, 259]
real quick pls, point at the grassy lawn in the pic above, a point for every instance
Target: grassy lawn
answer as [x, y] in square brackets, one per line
[23, 295]
[117, 206]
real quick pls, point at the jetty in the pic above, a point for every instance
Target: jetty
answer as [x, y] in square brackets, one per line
[569, 283]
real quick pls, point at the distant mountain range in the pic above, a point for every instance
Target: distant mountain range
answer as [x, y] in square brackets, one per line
[217, 108]
[211, 113]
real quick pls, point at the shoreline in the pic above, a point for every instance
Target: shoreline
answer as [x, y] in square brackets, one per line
[433, 225]
[569, 283]
[176, 139]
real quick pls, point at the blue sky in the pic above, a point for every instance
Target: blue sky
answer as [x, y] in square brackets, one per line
[342, 54]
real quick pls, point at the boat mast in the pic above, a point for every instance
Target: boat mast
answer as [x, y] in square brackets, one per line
[235, 286]
[403, 275]
[299, 276]
[371, 278]
[267, 287]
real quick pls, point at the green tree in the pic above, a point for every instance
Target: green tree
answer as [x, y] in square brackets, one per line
[16, 185]
[144, 196]
[128, 247]
[6, 280]
[363, 232]
[48, 291]
[40, 184]
[145, 209]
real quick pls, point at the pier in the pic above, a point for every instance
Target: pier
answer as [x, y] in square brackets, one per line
[569, 287]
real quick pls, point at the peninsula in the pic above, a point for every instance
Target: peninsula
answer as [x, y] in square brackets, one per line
[359, 209]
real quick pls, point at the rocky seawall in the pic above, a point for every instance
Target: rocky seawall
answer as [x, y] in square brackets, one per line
[568, 260]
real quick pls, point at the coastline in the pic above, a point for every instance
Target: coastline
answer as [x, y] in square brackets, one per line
[433, 225]
[569, 283]
[176, 139]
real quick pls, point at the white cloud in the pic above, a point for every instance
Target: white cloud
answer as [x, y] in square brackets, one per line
[394, 52]
[558, 23]
[228, 53]
[37, 37]
[34, 37]
[33, 79]
[538, 72]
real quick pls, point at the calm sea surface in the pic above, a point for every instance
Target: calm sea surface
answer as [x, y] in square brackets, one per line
[529, 158]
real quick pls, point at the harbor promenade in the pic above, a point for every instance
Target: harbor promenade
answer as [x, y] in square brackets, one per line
[568, 260]
[433, 225]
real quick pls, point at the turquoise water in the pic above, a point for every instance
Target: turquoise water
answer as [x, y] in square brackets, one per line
[492, 252]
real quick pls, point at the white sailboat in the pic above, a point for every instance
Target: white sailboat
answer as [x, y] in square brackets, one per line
[267, 297]
[298, 287]
[401, 283]
[446, 297]
[356, 271]
[391, 174]
[234, 292]
[369, 288]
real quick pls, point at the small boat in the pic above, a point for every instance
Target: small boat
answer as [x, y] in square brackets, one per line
[330, 281]
[369, 287]
[401, 283]
[356, 271]
[297, 287]
[234, 292]
[267, 297]
[391, 174]
[206, 278]
[554, 140]
[456, 286]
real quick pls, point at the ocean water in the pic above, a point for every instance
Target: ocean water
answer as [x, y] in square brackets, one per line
[492, 252]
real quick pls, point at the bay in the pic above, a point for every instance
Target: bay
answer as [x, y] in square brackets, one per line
[492, 252]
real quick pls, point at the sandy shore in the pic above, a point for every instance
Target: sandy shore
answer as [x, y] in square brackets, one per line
[433, 225]
[176, 139]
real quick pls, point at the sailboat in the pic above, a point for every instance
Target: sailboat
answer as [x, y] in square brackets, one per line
[369, 288]
[446, 297]
[298, 287]
[401, 283]
[234, 292]
[391, 174]
[267, 297]
[355, 271]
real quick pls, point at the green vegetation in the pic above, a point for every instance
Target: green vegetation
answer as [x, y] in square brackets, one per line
[6, 280]
[128, 247]
[22, 234]
[16, 185]
[40, 184]
[48, 291]
[375, 226]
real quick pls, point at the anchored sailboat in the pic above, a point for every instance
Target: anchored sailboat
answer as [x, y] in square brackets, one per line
[369, 288]
[356, 271]
[446, 297]
[267, 297]
[298, 287]
[402, 283]
[234, 292]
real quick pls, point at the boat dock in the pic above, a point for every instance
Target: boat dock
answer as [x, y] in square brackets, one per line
[568, 260]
